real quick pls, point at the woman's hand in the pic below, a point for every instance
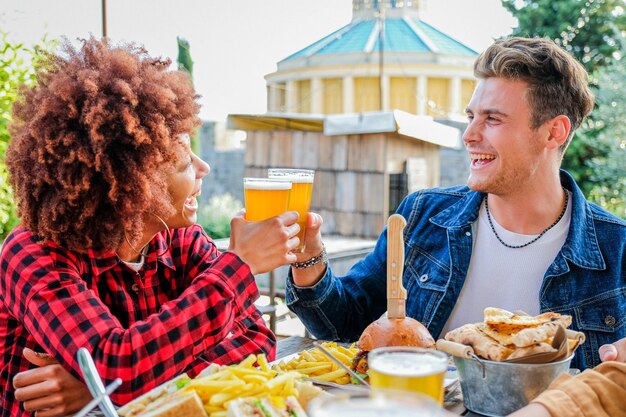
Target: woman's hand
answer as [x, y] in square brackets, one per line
[265, 245]
[49, 390]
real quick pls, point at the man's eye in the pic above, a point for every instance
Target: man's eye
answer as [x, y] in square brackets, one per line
[470, 117]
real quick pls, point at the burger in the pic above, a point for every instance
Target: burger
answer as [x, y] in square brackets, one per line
[389, 332]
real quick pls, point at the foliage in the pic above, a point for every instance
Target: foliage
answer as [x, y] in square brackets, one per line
[606, 171]
[185, 63]
[594, 31]
[215, 217]
[16, 68]
[589, 29]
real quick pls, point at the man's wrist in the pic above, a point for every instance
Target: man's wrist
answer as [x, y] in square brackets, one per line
[322, 257]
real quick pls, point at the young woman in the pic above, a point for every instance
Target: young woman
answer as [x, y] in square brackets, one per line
[108, 256]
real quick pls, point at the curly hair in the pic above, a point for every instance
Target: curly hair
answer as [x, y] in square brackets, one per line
[93, 141]
[558, 84]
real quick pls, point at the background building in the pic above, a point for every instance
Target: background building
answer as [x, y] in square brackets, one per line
[385, 58]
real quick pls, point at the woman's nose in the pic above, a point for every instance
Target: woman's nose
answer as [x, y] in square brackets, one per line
[202, 168]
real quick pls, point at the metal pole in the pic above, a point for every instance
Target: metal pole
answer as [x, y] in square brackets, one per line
[381, 40]
[104, 18]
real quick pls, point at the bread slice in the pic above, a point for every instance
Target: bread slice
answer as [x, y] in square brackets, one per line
[165, 401]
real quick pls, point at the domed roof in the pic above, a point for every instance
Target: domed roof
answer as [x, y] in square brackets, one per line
[403, 34]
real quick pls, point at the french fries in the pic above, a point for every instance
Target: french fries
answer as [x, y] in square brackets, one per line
[315, 365]
[222, 384]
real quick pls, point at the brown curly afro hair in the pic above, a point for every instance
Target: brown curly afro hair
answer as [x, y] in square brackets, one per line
[93, 142]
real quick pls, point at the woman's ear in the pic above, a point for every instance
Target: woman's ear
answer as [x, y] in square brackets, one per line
[559, 129]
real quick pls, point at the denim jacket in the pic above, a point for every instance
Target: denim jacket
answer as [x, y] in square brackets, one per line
[586, 280]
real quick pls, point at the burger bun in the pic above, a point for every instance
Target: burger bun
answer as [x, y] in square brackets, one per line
[395, 332]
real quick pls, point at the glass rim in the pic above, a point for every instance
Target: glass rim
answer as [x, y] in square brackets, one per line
[261, 179]
[440, 356]
[380, 398]
[258, 181]
[419, 349]
[291, 171]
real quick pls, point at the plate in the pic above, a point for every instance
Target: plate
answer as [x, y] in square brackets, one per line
[450, 378]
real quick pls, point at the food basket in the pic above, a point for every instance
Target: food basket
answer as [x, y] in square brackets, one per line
[500, 388]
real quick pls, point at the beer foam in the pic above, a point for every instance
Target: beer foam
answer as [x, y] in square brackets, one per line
[298, 179]
[408, 364]
[266, 184]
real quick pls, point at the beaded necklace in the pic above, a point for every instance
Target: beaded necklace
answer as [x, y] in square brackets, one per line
[493, 229]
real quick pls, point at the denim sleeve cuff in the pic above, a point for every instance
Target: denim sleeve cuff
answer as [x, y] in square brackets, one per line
[313, 295]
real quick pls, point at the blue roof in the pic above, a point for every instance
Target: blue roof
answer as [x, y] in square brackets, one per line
[401, 35]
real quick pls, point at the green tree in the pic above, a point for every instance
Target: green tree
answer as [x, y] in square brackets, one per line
[594, 32]
[589, 29]
[607, 170]
[16, 68]
[185, 63]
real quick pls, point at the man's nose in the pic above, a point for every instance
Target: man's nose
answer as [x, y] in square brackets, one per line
[471, 133]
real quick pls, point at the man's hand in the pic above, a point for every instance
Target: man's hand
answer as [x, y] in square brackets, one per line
[49, 390]
[307, 277]
[265, 245]
[614, 352]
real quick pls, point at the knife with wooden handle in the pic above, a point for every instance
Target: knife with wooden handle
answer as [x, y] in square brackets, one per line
[396, 294]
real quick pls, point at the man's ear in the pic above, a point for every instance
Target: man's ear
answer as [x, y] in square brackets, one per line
[558, 128]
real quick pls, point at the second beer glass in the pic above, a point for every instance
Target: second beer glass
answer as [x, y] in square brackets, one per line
[300, 196]
[265, 198]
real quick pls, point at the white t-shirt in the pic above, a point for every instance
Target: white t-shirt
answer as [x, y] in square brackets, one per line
[504, 277]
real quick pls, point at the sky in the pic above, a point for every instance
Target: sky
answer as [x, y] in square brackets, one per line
[233, 43]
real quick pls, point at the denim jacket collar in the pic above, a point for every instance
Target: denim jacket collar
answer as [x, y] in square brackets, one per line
[581, 246]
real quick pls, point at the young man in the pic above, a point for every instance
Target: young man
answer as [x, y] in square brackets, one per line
[519, 236]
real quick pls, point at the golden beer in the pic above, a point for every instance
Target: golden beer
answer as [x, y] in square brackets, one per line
[408, 369]
[265, 198]
[300, 196]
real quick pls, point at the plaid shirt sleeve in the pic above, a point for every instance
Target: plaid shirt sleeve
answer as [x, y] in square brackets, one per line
[213, 319]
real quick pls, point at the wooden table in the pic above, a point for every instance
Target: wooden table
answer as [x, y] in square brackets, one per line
[453, 401]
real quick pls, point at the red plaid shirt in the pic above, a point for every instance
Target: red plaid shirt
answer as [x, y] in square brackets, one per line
[190, 307]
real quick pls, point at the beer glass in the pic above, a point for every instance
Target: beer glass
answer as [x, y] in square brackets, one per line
[385, 403]
[300, 196]
[265, 197]
[409, 369]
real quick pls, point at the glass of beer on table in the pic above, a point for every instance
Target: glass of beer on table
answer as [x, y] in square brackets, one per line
[408, 369]
[265, 197]
[381, 403]
[300, 197]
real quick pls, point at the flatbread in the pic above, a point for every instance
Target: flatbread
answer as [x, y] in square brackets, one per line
[531, 350]
[505, 322]
[505, 337]
[483, 345]
[534, 335]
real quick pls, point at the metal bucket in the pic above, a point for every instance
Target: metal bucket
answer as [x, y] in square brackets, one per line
[500, 388]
